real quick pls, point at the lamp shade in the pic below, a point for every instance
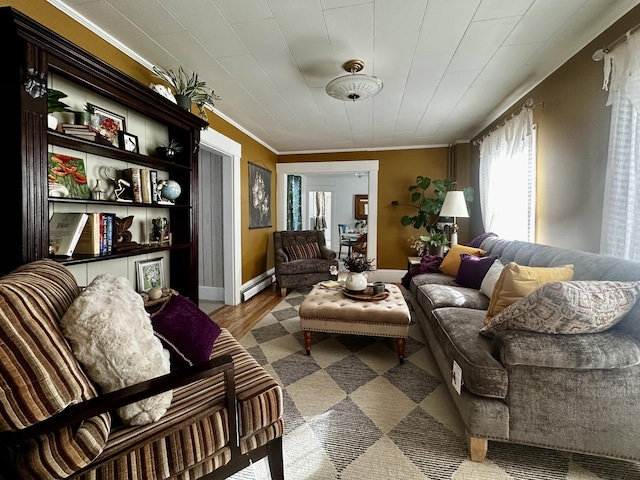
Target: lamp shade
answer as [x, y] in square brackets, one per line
[454, 205]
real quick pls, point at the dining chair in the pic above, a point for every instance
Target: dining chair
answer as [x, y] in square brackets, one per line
[344, 242]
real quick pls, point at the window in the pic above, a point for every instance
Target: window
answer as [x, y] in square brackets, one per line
[508, 178]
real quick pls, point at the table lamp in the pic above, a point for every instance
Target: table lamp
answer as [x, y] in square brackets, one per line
[454, 206]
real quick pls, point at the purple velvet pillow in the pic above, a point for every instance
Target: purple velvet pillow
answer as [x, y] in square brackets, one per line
[185, 330]
[472, 270]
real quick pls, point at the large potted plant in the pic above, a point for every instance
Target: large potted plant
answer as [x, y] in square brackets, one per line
[427, 197]
[188, 89]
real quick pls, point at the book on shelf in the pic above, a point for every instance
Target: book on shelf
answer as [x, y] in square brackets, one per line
[132, 175]
[107, 222]
[145, 185]
[64, 232]
[89, 243]
[86, 132]
[153, 177]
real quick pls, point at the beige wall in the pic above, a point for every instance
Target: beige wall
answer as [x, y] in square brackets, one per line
[573, 132]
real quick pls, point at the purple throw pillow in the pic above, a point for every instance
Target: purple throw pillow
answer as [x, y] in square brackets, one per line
[185, 330]
[472, 270]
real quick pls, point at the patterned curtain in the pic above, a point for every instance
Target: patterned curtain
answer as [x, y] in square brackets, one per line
[294, 202]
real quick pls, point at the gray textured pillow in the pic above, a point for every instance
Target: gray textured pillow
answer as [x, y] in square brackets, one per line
[491, 277]
[570, 307]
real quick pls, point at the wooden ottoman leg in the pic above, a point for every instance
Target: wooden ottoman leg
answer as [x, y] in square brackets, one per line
[307, 342]
[400, 347]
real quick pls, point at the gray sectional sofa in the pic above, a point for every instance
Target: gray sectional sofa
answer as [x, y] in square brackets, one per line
[576, 392]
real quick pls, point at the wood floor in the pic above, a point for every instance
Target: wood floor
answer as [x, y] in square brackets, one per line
[239, 319]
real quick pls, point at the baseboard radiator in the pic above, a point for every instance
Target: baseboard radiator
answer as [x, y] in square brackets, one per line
[256, 285]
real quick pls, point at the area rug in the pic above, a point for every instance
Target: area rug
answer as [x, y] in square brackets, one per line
[353, 412]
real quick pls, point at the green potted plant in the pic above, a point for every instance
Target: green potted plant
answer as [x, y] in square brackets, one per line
[54, 104]
[358, 266]
[427, 197]
[169, 150]
[188, 88]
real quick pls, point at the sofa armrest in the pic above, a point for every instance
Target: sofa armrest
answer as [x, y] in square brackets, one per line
[133, 393]
[609, 349]
[327, 253]
[281, 257]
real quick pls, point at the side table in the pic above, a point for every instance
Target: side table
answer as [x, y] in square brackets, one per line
[412, 262]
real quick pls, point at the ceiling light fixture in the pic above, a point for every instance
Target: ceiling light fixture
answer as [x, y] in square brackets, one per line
[354, 86]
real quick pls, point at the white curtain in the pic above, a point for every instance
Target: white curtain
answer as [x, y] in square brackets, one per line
[508, 178]
[620, 234]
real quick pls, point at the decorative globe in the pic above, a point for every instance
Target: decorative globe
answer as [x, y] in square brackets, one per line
[171, 190]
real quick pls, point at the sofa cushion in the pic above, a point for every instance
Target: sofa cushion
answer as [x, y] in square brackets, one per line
[432, 296]
[40, 376]
[303, 250]
[568, 308]
[516, 281]
[472, 270]
[185, 330]
[491, 277]
[451, 262]
[111, 335]
[311, 265]
[457, 329]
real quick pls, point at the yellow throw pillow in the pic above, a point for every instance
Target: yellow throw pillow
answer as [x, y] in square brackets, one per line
[518, 281]
[451, 262]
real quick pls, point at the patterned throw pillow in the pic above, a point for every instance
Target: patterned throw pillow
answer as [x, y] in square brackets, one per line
[517, 281]
[568, 308]
[303, 250]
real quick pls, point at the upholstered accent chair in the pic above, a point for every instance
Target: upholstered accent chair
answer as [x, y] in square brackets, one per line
[55, 423]
[302, 258]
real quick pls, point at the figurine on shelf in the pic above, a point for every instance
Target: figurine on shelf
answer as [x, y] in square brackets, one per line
[160, 231]
[122, 235]
[122, 187]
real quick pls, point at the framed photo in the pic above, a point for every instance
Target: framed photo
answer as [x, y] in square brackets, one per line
[259, 196]
[109, 124]
[128, 141]
[150, 274]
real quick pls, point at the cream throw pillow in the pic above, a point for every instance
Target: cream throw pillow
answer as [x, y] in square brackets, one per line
[111, 335]
[490, 279]
[518, 281]
[451, 262]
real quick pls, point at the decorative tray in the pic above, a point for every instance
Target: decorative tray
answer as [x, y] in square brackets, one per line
[366, 294]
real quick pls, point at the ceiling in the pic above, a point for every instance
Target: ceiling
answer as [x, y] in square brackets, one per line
[449, 67]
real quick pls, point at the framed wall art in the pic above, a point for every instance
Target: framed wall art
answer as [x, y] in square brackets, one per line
[128, 141]
[109, 124]
[150, 274]
[259, 196]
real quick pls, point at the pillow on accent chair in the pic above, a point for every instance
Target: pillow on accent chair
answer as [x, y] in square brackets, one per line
[517, 281]
[111, 335]
[303, 251]
[490, 279]
[185, 330]
[472, 270]
[568, 308]
[451, 262]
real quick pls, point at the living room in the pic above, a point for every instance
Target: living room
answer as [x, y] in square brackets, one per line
[572, 121]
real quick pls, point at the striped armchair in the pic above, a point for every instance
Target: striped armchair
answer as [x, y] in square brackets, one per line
[54, 424]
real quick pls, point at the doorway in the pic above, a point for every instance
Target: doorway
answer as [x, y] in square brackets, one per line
[350, 167]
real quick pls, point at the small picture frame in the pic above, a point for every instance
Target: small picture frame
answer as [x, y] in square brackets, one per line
[109, 124]
[150, 274]
[128, 141]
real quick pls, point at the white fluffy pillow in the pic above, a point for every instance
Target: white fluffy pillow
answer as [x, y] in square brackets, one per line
[491, 277]
[111, 335]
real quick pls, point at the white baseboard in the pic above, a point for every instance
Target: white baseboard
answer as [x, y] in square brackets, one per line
[214, 294]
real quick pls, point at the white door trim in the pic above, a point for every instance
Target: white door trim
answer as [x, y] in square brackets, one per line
[231, 152]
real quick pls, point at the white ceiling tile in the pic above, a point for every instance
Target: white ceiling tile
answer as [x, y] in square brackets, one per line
[238, 11]
[351, 39]
[537, 25]
[480, 42]
[152, 17]
[491, 9]
[390, 18]
[442, 31]
[505, 60]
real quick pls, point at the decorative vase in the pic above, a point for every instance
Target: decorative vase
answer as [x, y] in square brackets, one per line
[52, 122]
[439, 250]
[183, 101]
[356, 281]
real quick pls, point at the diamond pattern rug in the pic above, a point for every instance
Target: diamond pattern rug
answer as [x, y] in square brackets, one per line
[353, 412]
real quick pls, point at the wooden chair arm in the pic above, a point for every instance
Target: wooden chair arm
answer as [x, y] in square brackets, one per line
[133, 393]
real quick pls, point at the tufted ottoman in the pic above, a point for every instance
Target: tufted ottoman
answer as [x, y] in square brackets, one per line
[327, 310]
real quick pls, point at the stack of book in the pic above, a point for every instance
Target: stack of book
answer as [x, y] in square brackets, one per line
[144, 184]
[98, 236]
[86, 132]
